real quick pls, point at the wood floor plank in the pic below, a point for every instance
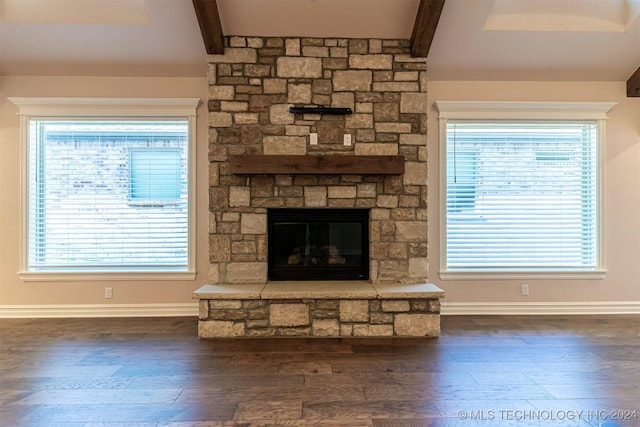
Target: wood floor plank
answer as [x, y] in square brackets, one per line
[456, 392]
[371, 409]
[450, 408]
[585, 378]
[268, 410]
[145, 372]
[99, 397]
[123, 413]
[433, 379]
[248, 392]
[207, 382]
[606, 390]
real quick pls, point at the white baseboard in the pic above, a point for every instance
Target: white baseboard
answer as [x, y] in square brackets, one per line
[99, 310]
[191, 309]
[540, 308]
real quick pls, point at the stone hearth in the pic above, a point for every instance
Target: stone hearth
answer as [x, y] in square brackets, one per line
[323, 309]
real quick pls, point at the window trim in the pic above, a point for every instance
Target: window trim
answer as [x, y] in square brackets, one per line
[111, 108]
[551, 111]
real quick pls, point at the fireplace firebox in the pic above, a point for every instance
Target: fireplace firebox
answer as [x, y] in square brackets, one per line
[318, 244]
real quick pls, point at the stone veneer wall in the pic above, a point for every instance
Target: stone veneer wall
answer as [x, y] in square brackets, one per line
[251, 88]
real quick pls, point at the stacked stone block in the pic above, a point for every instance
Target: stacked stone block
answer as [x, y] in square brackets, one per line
[251, 88]
[419, 317]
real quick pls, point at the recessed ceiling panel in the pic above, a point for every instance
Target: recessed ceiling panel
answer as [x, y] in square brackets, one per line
[114, 12]
[561, 15]
[385, 19]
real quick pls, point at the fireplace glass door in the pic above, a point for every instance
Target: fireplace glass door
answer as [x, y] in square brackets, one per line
[318, 244]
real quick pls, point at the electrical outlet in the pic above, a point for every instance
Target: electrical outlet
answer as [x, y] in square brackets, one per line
[525, 289]
[313, 139]
[108, 293]
[347, 139]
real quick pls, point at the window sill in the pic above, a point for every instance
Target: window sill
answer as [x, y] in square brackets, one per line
[29, 276]
[516, 275]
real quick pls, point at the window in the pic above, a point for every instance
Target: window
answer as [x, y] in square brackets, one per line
[462, 170]
[155, 175]
[108, 188]
[520, 189]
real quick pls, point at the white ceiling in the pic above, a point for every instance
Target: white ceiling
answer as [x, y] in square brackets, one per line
[559, 48]
[475, 39]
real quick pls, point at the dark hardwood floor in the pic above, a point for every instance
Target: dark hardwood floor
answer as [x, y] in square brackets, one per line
[483, 371]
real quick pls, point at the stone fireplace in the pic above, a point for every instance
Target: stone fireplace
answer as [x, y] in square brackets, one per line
[252, 87]
[318, 244]
[266, 158]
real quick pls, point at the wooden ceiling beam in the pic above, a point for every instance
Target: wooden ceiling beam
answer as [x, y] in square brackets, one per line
[210, 26]
[633, 84]
[424, 28]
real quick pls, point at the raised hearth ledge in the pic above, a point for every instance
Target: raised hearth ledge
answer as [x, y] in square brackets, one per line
[319, 309]
[347, 289]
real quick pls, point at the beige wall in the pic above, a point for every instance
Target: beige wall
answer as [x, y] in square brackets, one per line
[621, 194]
[15, 292]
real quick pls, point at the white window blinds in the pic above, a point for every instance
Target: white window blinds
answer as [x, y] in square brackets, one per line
[521, 195]
[108, 194]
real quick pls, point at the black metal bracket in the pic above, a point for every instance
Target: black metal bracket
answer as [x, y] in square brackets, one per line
[320, 110]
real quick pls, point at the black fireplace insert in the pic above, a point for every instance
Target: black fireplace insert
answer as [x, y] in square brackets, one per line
[318, 244]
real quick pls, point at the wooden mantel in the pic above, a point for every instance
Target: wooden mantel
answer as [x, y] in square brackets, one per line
[258, 164]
